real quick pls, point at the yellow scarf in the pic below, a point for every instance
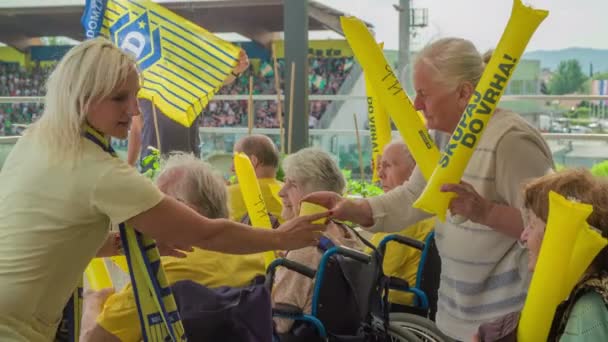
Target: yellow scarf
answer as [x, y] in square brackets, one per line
[158, 315]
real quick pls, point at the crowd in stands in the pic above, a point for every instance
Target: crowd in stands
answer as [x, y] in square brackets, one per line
[326, 76]
[16, 80]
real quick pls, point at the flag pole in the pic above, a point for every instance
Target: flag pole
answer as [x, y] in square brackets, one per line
[155, 119]
[250, 106]
[359, 147]
[277, 87]
[290, 129]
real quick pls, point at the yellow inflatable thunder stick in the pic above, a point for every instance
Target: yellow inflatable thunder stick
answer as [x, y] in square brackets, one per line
[307, 208]
[522, 24]
[252, 196]
[274, 191]
[391, 95]
[121, 262]
[98, 275]
[589, 243]
[567, 234]
[379, 125]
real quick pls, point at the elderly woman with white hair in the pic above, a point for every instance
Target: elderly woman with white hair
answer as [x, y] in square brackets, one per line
[307, 171]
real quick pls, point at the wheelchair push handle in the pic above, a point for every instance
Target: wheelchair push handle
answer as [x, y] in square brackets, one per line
[404, 240]
[354, 254]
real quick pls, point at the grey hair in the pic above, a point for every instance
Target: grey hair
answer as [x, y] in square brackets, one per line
[456, 60]
[199, 186]
[407, 155]
[315, 170]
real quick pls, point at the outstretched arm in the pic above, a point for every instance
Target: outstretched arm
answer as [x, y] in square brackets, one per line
[174, 223]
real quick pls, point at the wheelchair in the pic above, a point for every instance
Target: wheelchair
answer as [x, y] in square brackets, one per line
[419, 318]
[426, 288]
[350, 298]
[347, 302]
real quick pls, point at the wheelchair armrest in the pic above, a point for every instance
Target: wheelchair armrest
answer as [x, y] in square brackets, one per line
[292, 265]
[398, 283]
[354, 254]
[283, 309]
[404, 240]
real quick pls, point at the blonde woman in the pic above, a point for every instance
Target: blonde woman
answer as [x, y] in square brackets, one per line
[59, 192]
[483, 270]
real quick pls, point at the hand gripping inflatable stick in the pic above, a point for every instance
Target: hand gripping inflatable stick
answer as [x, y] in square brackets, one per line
[522, 24]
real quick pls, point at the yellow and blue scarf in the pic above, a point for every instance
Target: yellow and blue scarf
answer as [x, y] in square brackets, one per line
[69, 329]
[158, 315]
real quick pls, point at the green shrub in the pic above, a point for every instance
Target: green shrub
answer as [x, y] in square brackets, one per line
[600, 169]
[360, 188]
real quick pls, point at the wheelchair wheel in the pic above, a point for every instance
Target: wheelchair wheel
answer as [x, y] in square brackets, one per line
[399, 334]
[424, 329]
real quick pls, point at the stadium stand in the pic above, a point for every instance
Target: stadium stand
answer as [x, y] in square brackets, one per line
[326, 75]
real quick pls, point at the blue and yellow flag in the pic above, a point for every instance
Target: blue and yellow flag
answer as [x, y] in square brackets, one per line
[158, 315]
[182, 64]
[69, 327]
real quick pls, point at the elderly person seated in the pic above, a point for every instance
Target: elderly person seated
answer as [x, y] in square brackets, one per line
[395, 167]
[264, 157]
[306, 171]
[584, 315]
[193, 182]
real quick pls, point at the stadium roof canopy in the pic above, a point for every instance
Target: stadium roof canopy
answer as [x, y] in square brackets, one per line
[259, 20]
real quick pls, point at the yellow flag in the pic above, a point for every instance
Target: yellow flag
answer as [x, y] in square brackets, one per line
[182, 64]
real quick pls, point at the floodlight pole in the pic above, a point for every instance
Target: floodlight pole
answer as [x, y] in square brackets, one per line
[295, 17]
[403, 66]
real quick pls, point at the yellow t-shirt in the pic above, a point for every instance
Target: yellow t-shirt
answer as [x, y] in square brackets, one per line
[53, 219]
[237, 204]
[402, 261]
[119, 315]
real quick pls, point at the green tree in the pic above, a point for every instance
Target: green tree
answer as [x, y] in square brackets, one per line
[601, 76]
[569, 78]
[582, 112]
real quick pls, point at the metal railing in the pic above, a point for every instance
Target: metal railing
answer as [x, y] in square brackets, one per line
[568, 148]
[40, 99]
[347, 132]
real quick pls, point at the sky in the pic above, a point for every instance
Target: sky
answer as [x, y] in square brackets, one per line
[571, 23]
